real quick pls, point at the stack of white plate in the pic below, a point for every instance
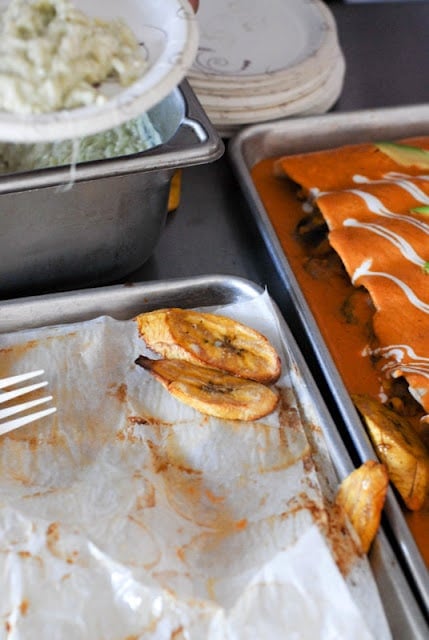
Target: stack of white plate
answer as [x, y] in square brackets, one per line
[262, 60]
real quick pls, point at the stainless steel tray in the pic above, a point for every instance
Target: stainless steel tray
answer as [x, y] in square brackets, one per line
[122, 302]
[309, 134]
[100, 222]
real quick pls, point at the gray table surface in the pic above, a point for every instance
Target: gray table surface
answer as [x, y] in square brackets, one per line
[386, 47]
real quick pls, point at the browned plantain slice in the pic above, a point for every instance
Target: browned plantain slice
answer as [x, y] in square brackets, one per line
[211, 391]
[211, 340]
[362, 495]
[400, 448]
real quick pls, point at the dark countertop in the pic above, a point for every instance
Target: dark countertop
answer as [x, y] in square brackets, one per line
[386, 48]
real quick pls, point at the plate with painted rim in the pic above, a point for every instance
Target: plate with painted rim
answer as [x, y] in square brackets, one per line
[167, 32]
[318, 101]
[252, 42]
[245, 100]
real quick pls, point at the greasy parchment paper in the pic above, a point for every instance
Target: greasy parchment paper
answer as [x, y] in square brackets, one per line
[129, 515]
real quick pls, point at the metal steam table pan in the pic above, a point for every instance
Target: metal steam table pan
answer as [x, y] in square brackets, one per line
[71, 227]
[300, 135]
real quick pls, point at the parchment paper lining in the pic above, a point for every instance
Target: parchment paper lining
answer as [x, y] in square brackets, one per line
[130, 513]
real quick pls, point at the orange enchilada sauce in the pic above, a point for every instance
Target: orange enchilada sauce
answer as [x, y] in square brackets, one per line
[329, 293]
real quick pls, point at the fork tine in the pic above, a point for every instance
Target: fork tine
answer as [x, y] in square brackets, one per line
[9, 395]
[14, 409]
[22, 377]
[20, 422]
[24, 406]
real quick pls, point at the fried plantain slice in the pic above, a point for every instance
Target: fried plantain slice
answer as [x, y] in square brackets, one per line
[361, 495]
[211, 391]
[400, 448]
[212, 340]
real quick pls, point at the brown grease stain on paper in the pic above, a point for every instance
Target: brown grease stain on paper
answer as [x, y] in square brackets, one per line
[150, 542]
[23, 607]
[145, 499]
[166, 577]
[53, 540]
[331, 521]
[118, 391]
[11, 355]
[188, 493]
[130, 434]
[288, 414]
[343, 541]
[27, 555]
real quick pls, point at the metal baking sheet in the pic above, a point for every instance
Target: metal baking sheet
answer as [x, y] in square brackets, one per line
[310, 134]
[123, 302]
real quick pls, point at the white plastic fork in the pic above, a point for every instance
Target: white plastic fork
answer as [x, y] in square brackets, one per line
[13, 409]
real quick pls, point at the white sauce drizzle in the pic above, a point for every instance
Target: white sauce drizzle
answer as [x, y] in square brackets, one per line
[66, 186]
[397, 353]
[364, 270]
[402, 180]
[404, 247]
[376, 206]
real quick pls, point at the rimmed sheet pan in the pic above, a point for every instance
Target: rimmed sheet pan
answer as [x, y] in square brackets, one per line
[309, 134]
[123, 302]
